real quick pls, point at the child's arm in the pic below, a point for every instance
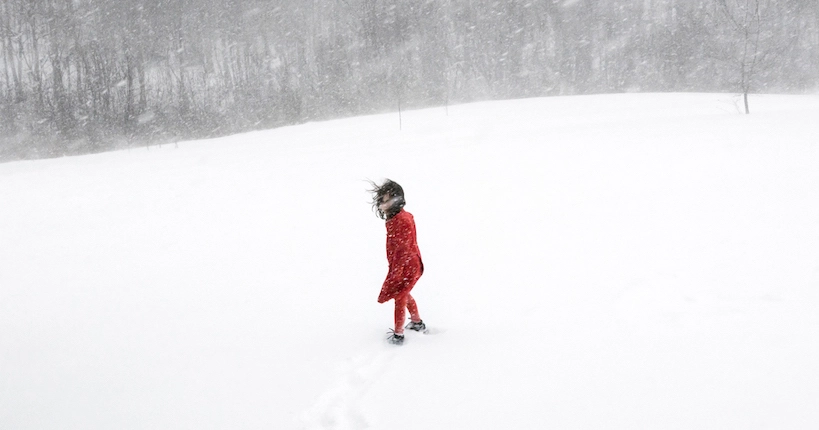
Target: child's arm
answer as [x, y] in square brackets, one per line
[399, 256]
[400, 243]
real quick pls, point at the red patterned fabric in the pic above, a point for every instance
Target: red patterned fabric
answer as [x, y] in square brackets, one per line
[403, 256]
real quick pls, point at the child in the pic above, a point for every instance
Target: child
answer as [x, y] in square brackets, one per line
[403, 256]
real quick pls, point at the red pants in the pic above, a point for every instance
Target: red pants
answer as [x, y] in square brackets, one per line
[403, 303]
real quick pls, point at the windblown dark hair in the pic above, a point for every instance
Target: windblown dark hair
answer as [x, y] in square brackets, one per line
[388, 188]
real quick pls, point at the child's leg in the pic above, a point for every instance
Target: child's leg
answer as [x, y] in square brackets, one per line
[400, 312]
[404, 302]
[412, 307]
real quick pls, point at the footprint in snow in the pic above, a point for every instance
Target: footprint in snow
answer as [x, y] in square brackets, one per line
[339, 407]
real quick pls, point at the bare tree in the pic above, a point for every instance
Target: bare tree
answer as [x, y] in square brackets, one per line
[746, 49]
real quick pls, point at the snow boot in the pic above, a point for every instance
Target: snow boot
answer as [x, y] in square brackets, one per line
[395, 338]
[417, 326]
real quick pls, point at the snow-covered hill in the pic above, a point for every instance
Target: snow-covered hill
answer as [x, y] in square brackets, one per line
[632, 261]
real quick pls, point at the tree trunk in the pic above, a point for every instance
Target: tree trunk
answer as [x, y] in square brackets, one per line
[129, 91]
[35, 66]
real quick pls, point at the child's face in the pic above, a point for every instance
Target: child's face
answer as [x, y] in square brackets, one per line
[385, 203]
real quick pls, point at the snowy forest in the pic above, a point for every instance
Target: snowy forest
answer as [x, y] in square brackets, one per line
[80, 76]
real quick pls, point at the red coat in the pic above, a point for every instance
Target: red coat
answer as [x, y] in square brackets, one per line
[403, 255]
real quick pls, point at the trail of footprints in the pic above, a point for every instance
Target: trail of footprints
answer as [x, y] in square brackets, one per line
[339, 407]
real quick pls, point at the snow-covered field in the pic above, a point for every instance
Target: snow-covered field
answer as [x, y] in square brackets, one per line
[642, 261]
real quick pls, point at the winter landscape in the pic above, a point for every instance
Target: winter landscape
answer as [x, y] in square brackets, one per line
[632, 261]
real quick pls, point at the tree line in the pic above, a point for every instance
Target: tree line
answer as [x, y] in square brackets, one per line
[80, 76]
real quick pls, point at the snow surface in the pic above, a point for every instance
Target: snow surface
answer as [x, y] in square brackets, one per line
[641, 261]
